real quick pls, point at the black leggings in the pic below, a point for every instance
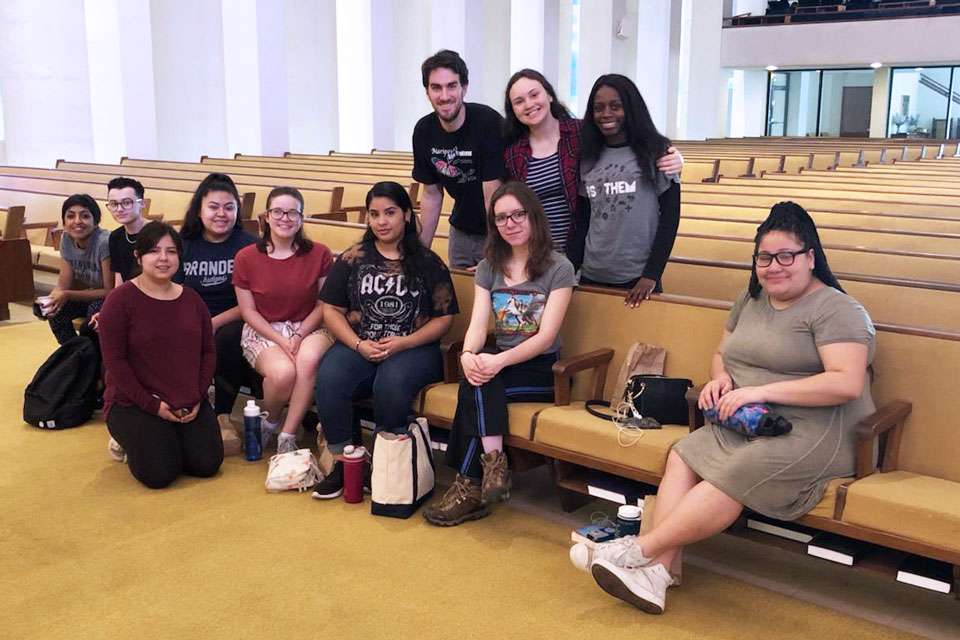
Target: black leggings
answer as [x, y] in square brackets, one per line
[159, 451]
[482, 411]
[232, 369]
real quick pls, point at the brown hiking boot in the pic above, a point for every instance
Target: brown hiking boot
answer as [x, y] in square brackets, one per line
[460, 503]
[496, 477]
[232, 444]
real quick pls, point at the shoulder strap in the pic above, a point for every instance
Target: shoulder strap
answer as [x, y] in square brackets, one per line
[590, 404]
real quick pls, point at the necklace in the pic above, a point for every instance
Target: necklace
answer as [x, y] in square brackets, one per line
[127, 236]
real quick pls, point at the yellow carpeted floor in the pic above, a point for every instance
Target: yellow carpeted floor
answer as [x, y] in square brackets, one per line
[87, 552]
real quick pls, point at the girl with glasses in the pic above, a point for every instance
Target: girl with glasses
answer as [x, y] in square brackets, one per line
[388, 300]
[543, 150]
[277, 281]
[526, 287]
[634, 208]
[212, 233]
[794, 340]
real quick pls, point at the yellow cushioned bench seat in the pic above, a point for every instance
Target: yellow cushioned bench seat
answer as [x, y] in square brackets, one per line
[825, 508]
[573, 429]
[441, 401]
[918, 507]
[47, 257]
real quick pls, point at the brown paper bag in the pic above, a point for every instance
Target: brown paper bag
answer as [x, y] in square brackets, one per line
[646, 526]
[324, 457]
[642, 359]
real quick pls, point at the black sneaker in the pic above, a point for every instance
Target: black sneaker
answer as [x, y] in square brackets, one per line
[332, 485]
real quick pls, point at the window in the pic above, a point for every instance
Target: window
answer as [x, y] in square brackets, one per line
[792, 104]
[919, 104]
[820, 102]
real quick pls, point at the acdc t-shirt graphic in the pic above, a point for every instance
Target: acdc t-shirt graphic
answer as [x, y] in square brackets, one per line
[388, 304]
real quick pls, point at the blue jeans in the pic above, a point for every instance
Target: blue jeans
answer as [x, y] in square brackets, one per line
[345, 375]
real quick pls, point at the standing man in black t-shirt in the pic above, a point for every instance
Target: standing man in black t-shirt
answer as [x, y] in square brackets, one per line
[458, 147]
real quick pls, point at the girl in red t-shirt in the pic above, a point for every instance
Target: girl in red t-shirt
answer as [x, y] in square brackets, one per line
[277, 282]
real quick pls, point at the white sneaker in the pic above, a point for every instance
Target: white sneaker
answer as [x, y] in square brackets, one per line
[645, 588]
[621, 552]
[286, 443]
[116, 451]
[267, 431]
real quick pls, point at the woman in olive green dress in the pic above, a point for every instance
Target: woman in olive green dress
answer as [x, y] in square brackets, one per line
[793, 340]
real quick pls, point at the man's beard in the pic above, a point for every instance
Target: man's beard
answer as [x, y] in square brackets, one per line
[453, 116]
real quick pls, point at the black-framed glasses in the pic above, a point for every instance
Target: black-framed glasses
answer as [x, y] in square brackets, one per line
[277, 214]
[126, 204]
[517, 216]
[783, 258]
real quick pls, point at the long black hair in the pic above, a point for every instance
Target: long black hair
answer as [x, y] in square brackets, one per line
[192, 225]
[513, 129]
[789, 217]
[647, 143]
[412, 252]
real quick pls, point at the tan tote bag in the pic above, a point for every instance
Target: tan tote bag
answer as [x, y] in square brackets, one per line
[403, 471]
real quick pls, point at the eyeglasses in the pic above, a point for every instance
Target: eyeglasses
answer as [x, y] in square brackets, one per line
[784, 258]
[126, 204]
[277, 214]
[517, 216]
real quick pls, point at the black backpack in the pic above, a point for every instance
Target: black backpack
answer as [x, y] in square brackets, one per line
[65, 390]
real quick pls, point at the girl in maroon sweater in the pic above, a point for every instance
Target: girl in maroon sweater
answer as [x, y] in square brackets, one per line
[159, 353]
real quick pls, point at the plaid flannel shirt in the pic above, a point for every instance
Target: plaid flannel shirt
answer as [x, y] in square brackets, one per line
[518, 155]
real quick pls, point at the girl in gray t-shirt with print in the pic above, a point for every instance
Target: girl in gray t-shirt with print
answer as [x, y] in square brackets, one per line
[85, 278]
[526, 287]
[635, 209]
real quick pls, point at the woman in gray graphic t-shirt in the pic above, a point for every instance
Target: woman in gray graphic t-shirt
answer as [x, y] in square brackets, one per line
[635, 209]
[526, 287]
[85, 278]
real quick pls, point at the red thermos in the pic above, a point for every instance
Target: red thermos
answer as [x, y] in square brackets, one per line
[354, 463]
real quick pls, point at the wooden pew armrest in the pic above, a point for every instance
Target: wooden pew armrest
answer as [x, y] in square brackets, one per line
[695, 416]
[565, 368]
[451, 360]
[49, 226]
[451, 357]
[884, 427]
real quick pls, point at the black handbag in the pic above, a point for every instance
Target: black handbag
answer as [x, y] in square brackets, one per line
[650, 396]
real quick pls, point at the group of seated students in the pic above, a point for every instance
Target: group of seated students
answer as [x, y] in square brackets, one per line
[369, 323]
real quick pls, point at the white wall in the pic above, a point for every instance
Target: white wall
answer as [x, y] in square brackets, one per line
[909, 42]
[354, 61]
[188, 73]
[311, 73]
[46, 86]
[702, 73]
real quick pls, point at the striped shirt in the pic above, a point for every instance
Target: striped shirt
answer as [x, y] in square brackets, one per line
[543, 176]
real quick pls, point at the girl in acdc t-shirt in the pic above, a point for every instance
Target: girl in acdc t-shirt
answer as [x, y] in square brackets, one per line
[277, 281]
[388, 300]
[526, 287]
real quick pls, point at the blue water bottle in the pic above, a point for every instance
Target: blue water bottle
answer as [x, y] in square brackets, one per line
[251, 431]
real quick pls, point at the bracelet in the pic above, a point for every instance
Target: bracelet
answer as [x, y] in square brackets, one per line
[467, 351]
[356, 347]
